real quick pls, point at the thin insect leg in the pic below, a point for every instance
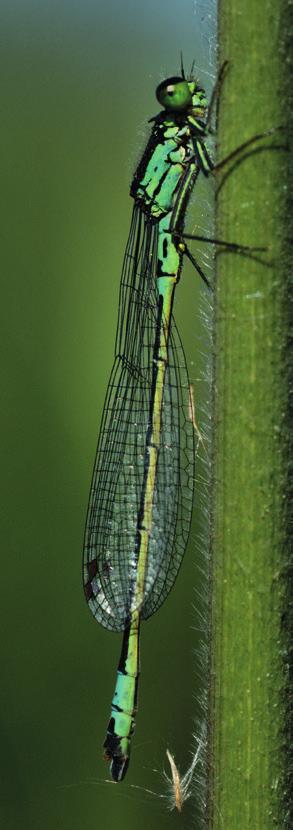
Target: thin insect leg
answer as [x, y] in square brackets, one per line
[233, 246]
[182, 246]
[216, 92]
[196, 266]
[202, 155]
[254, 151]
[243, 146]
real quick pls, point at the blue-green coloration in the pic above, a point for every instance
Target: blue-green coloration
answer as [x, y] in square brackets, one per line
[141, 496]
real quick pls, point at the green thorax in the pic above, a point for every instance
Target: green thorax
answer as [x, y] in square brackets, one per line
[174, 144]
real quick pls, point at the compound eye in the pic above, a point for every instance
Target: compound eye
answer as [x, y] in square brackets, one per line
[174, 94]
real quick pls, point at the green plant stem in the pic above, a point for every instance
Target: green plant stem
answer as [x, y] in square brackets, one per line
[248, 672]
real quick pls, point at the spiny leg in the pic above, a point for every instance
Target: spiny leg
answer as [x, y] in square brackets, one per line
[216, 93]
[232, 246]
[244, 249]
[248, 143]
[185, 250]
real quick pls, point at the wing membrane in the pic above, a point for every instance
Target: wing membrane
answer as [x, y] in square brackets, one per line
[110, 537]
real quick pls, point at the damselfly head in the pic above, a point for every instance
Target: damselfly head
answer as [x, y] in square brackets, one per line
[174, 94]
[178, 95]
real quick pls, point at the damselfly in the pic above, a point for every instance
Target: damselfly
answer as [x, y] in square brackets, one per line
[141, 495]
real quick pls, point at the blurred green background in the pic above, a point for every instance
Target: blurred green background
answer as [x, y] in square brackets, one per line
[78, 86]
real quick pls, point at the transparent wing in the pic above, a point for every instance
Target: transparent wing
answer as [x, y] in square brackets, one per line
[111, 528]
